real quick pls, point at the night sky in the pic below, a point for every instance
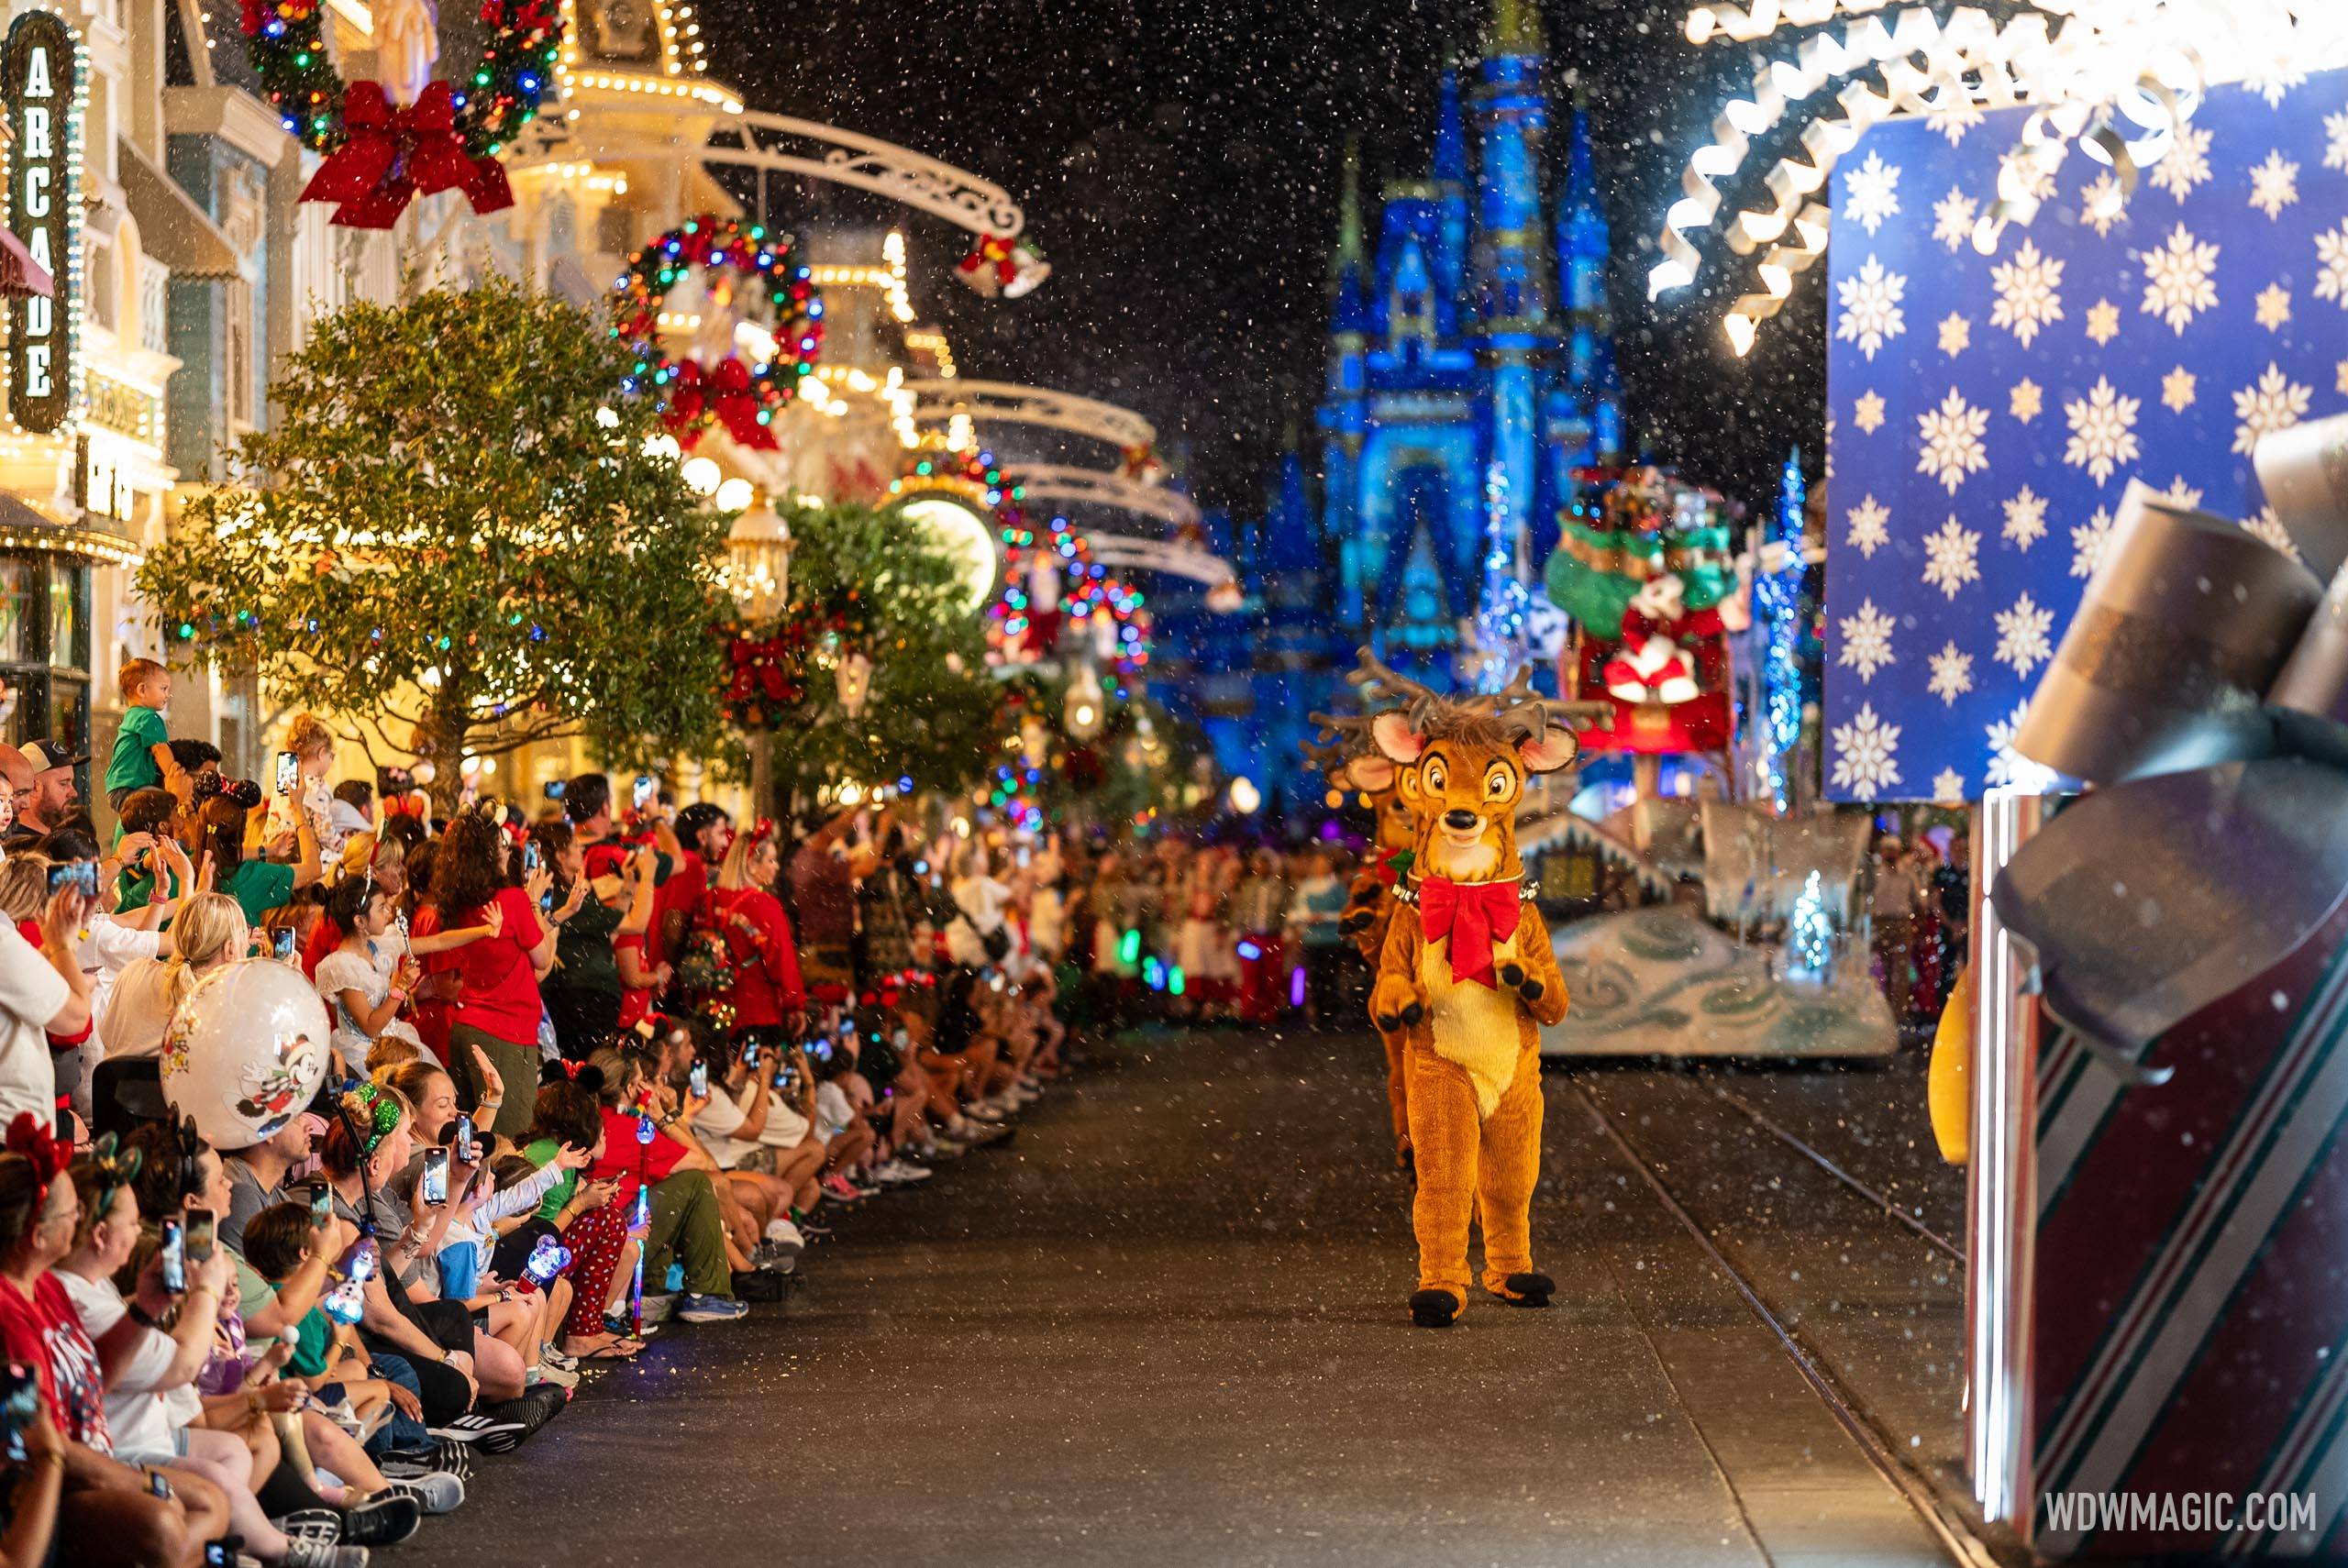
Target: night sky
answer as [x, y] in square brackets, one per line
[1178, 161]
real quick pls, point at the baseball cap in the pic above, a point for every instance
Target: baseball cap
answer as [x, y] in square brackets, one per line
[45, 755]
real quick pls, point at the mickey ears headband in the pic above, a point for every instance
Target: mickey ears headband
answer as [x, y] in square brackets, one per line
[382, 1116]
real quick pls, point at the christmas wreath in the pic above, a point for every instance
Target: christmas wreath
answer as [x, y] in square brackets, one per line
[380, 157]
[766, 673]
[742, 396]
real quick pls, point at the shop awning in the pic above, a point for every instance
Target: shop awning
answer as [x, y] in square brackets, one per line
[171, 228]
[20, 275]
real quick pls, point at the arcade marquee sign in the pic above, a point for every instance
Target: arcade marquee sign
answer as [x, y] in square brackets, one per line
[41, 85]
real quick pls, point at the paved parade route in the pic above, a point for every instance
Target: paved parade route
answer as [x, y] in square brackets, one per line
[1166, 1324]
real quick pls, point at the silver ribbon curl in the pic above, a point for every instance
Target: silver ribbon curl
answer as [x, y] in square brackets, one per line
[2202, 689]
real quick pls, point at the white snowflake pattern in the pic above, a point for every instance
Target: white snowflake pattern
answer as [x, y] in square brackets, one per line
[1952, 557]
[1952, 674]
[2180, 493]
[1867, 754]
[2335, 141]
[2026, 401]
[2103, 430]
[2187, 165]
[2276, 403]
[2103, 322]
[2275, 185]
[2026, 288]
[1953, 112]
[1951, 440]
[1867, 411]
[2087, 542]
[2332, 266]
[2103, 202]
[2025, 518]
[1866, 640]
[1948, 786]
[2272, 78]
[2009, 766]
[1873, 192]
[2023, 635]
[1871, 313]
[1957, 333]
[1953, 217]
[2269, 527]
[2179, 279]
[1868, 526]
[2274, 308]
[2177, 390]
[2032, 175]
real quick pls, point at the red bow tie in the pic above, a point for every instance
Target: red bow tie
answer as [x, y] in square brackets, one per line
[1475, 916]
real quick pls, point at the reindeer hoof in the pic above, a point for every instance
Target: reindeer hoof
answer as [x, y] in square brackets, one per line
[1527, 1289]
[1411, 1015]
[1435, 1308]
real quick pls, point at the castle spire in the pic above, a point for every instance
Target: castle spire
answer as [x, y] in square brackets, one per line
[1450, 166]
[1513, 28]
[1348, 254]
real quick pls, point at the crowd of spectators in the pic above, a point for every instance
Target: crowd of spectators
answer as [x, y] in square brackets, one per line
[593, 1074]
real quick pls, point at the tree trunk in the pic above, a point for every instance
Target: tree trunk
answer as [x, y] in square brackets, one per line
[440, 740]
[762, 804]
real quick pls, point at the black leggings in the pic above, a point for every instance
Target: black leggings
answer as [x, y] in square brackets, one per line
[440, 1389]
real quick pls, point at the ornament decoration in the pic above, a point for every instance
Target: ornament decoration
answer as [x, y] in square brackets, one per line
[378, 158]
[742, 395]
[1002, 264]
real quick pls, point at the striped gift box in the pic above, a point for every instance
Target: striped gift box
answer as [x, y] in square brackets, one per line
[2189, 1314]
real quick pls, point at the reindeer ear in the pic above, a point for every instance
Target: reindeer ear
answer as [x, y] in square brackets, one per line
[1370, 773]
[1396, 738]
[1556, 747]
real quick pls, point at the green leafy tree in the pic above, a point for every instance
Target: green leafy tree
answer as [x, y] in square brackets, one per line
[869, 582]
[455, 535]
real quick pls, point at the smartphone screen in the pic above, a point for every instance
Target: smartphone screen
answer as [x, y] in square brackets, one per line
[433, 1187]
[289, 768]
[643, 791]
[321, 1205]
[529, 856]
[80, 875]
[284, 945]
[175, 1257]
[698, 1079]
[464, 1138]
[19, 1403]
[197, 1241]
[750, 1054]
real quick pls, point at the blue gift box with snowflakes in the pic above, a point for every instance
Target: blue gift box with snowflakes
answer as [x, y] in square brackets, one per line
[1987, 411]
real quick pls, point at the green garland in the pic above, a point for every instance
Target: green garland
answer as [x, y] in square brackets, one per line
[285, 41]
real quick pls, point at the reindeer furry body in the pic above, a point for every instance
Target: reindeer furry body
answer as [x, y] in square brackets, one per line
[1466, 976]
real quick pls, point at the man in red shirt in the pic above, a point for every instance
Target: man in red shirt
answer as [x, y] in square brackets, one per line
[703, 831]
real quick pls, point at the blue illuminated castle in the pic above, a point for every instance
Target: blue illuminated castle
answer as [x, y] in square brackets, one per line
[1471, 359]
[1470, 369]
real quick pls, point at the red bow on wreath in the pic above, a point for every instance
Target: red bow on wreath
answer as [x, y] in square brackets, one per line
[724, 394]
[29, 1135]
[389, 156]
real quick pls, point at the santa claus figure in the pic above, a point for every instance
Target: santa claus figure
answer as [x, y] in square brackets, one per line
[1657, 662]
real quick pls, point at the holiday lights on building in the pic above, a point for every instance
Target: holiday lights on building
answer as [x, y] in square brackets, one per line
[2117, 79]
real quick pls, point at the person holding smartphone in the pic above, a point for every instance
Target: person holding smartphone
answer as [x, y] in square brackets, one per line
[498, 1008]
[44, 998]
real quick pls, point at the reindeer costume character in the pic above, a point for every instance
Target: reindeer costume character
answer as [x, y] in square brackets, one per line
[1467, 975]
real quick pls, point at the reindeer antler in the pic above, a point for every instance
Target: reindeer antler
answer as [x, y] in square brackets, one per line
[1423, 700]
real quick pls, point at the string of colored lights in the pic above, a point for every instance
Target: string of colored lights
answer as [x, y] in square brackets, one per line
[1776, 606]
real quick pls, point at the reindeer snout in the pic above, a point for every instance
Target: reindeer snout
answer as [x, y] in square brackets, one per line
[1459, 821]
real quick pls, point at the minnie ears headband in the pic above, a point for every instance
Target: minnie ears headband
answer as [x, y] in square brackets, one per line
[29, 1135]
[382, 1115]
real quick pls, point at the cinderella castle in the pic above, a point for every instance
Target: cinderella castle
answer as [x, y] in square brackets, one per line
[1471, 370]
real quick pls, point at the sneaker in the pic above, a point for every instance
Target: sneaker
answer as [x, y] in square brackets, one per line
[990, 1133]
[301, 1552]
[866, 1186]
[839, 1189]
[693, 1308]
[515, 1419]
[435, 1491]
[811, 1227]
[900, 1171]
[617, 1323]
[659, 1308]
[323, 1526]
[550, 1356]
[984, 1113]
[784, 1240]
[758, 1284]
[1026, 1094]
[543, 1373]
[475, 1426]
[442, 1458]
[383, 1520]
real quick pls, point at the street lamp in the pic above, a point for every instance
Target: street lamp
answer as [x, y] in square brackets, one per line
[758, 561]
[1084, 703]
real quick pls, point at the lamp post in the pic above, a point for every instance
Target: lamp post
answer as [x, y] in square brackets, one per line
[758, 573]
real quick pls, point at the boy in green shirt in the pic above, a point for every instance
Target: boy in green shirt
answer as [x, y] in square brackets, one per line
[142, 751]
